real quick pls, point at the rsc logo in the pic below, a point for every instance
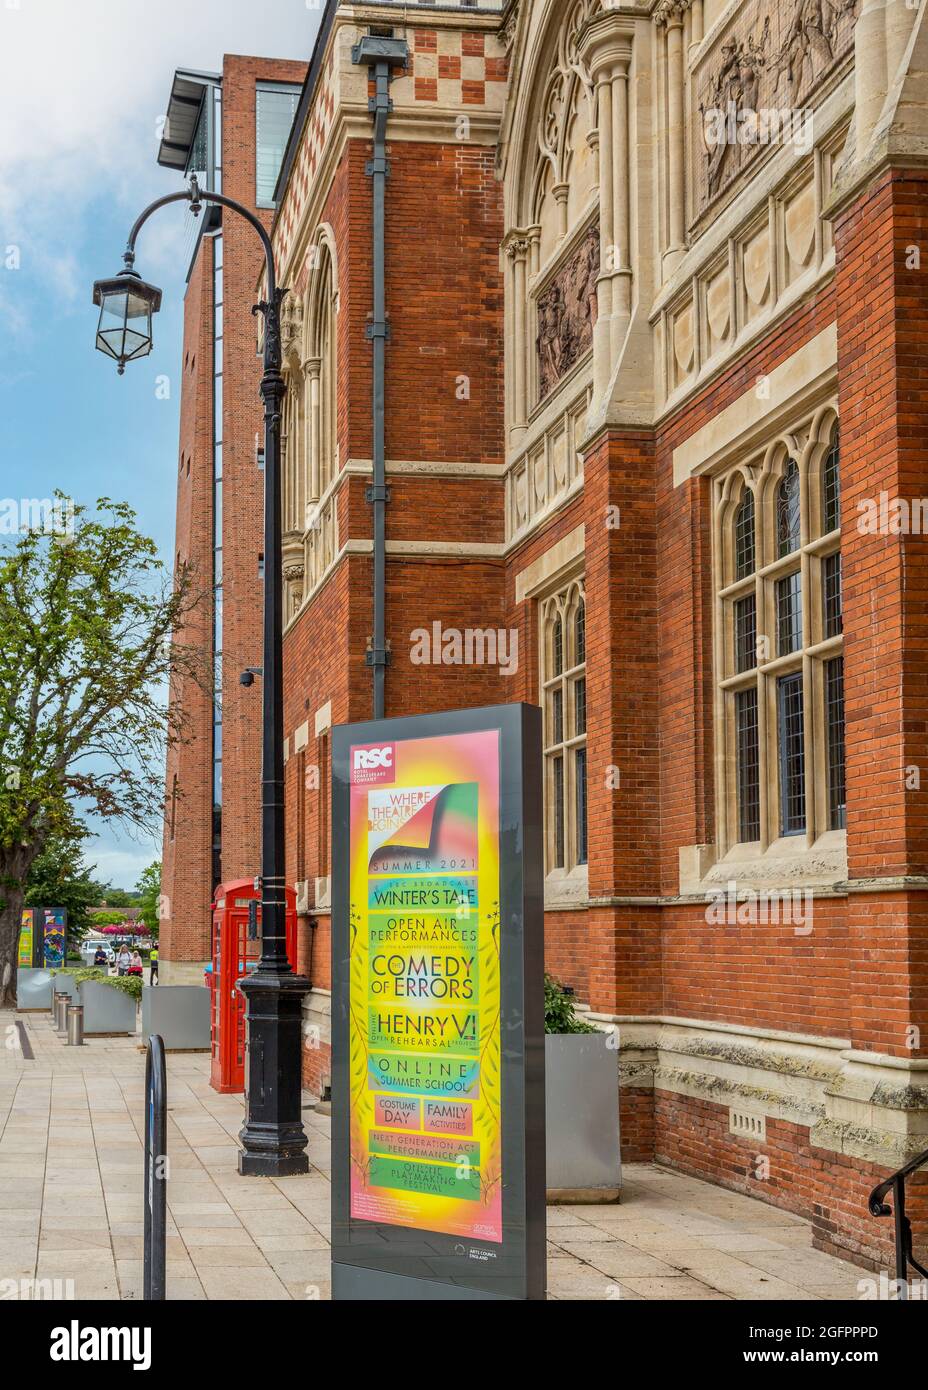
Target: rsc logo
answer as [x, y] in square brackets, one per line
[373, 763]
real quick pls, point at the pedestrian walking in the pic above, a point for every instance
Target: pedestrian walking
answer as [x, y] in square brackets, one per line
[153, 959]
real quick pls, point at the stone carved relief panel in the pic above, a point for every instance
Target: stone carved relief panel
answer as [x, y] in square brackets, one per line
[566, 313]
[717, 292]
[545, 473]
[799, 225]
[321, 543]
[763, 268]
[559, 177]
[754, 89]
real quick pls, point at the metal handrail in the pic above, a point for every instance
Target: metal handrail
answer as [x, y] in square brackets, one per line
[155, 1163]
[903, 1226]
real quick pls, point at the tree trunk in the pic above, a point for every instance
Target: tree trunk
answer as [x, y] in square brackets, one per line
[11, 918]
[15, 865]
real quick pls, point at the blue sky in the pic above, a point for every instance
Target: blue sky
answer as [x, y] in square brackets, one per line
[83, 87]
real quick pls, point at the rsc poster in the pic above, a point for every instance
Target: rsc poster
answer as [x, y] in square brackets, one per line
[424, 1069]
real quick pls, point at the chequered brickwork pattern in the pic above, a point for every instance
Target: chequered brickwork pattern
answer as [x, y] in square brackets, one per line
[312, 143]
[456, 68]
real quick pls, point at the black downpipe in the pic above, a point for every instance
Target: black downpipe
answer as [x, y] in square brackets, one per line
[380, 54]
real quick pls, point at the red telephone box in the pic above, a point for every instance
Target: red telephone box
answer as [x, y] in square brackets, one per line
[236, 952]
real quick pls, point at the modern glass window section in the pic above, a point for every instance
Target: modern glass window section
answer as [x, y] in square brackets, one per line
[201, 152]
[563, 699]
[778, 638]
[275, 109]
[832, 621]
[205, 160]
[216, 185]
[834, 722]
[792, 754]
[748, 764]
[217, 558]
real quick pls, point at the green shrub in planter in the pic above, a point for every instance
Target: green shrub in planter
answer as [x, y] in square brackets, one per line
[560, 1011]
[128, 984]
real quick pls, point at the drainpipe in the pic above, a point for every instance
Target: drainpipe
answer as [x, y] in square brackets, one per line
[379, 53]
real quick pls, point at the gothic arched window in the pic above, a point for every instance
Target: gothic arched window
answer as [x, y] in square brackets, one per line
[563, 698]
[788, 510]
[778, 616]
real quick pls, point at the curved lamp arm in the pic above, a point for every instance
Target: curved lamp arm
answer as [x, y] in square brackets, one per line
[195, 196]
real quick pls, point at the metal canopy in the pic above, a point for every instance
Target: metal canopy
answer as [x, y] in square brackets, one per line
[183, 113]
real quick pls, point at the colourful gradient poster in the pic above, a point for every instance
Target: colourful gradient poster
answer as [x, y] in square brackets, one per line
[26, 931]
[424, 988]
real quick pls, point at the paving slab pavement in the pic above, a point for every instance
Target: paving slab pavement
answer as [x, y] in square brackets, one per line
[71, 1201]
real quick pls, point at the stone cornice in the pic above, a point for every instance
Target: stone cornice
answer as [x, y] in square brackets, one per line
[606, 44]
[868, 1105]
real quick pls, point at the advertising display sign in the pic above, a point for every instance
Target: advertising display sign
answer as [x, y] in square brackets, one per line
[54, 938]
[43, 940]
[438, 1014]
[26, 935]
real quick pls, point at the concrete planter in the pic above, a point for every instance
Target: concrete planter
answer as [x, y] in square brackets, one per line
[34, 987]
[582, 1118]
[179, 1013]
[106, 1010]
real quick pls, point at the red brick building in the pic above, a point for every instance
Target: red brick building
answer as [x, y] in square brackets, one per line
[654, 448]
[229, 128]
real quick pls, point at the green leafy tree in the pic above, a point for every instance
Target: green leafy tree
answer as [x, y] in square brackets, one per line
[149, 891]
[59, 877]
[110, 918]
[119, 897]
[92, 628]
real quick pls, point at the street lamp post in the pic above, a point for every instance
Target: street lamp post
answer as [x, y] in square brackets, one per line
[273, 1137]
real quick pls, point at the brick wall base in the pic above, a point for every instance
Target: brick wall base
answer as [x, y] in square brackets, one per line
[829, 1189]
[636, 1124]
[317, 1066]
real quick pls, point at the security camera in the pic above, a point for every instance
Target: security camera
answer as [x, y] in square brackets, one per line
[247, 678]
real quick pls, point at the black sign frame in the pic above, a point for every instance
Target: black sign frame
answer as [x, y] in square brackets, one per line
[371, 1260]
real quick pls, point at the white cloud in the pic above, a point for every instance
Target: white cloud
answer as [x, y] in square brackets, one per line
[84, 83]
[122, 867]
